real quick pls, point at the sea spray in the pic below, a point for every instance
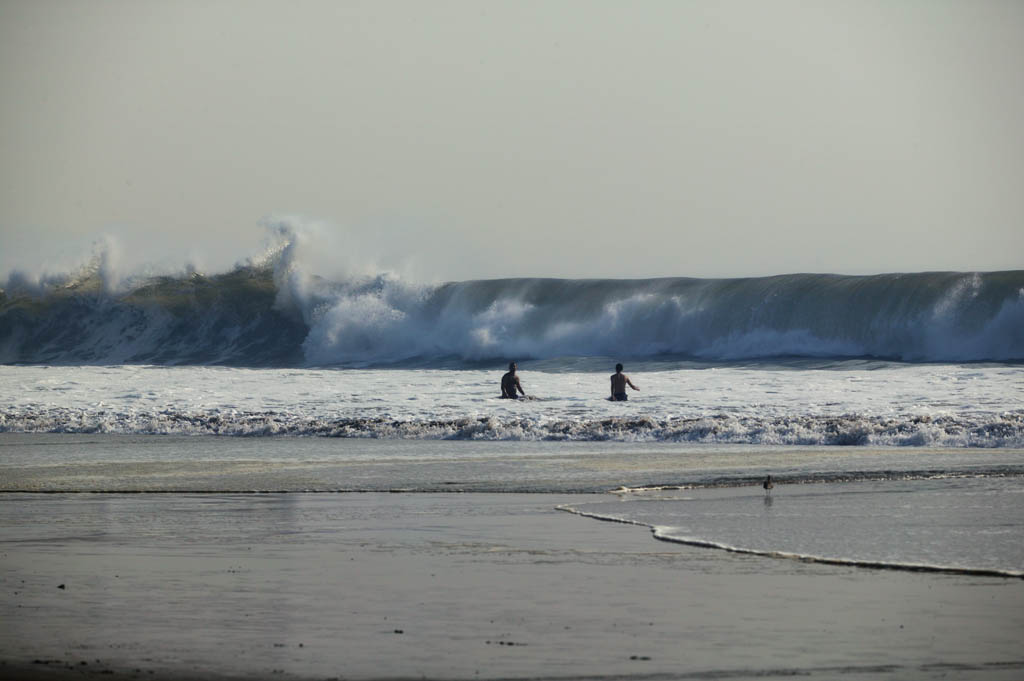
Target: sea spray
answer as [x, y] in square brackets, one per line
[274, 311]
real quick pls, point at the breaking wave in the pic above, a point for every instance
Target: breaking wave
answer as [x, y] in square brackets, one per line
[269, 311]
[962, 430]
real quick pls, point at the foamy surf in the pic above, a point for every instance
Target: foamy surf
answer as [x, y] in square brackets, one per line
[949, 406]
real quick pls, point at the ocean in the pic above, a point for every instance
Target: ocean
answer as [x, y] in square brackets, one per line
[887, 408]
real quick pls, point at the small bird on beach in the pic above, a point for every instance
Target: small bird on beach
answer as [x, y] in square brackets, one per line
[768, 484]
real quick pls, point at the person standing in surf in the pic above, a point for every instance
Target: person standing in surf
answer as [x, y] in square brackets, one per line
[510, 382]
[619, 383]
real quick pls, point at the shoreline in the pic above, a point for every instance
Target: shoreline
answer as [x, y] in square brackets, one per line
[126, 464]
[803, 558]
[454, 586]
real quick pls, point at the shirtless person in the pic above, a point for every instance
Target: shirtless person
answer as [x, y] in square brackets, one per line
[619, 383]
[510, 382]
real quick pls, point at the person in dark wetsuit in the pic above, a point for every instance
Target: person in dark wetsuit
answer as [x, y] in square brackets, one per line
[510, 383]
[619, 383]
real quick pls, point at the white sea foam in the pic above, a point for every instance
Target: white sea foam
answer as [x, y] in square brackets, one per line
[899, 405]
[292, 306]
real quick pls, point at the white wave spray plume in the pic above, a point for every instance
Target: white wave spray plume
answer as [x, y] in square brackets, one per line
[316, 297]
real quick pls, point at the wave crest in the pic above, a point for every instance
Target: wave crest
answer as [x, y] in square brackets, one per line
[272, 311]
[968, 430]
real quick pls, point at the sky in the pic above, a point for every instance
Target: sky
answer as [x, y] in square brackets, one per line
[453, 140]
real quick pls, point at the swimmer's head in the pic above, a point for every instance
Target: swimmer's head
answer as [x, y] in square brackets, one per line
[618, 368]
[511, 366]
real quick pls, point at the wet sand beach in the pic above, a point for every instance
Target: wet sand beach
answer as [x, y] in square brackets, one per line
[454, 586]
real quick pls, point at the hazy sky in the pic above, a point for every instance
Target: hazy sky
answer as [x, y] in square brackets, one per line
[550, 138]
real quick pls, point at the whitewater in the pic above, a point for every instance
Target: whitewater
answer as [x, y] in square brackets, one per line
[897, 396]
[879, 404]
[273, 348]
[274, 311]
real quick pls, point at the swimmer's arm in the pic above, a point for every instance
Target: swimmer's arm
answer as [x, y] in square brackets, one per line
[630, 384]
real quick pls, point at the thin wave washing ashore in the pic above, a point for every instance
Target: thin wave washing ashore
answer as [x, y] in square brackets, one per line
[963, 430]
[668, 535]
[966, 524]
[272, 313]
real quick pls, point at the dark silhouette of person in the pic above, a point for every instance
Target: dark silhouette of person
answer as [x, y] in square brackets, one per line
[510, 383]
[619, 383]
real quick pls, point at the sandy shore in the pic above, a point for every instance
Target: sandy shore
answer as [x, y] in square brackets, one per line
[454, 586]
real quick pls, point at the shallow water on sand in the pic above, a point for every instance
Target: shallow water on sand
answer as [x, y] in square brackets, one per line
[131, 463]
[962, 524]
[939, 508]
[454, 586]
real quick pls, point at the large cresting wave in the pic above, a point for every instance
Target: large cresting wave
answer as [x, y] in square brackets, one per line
[269, 311]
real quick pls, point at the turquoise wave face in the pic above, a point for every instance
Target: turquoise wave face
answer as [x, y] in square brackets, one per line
[276, 315]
